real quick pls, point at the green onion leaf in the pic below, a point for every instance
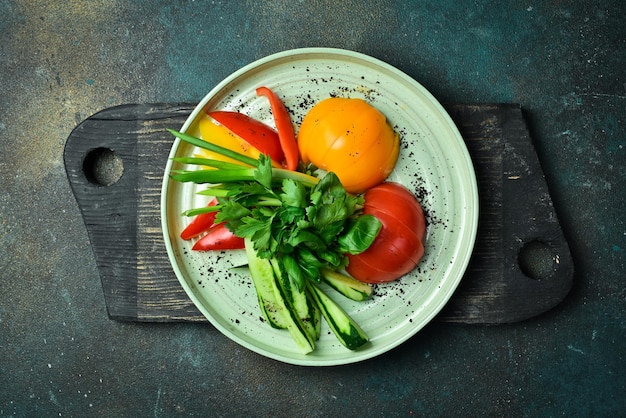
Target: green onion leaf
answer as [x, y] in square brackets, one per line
[212, 147]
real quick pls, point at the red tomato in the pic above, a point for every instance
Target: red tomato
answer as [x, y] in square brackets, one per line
[398, 248]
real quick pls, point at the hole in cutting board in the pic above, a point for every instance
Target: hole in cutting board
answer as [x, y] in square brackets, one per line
[537, 260]
[102, 166]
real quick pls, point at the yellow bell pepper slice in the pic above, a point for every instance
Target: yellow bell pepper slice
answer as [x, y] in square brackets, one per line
[219, 135]
[224, 137]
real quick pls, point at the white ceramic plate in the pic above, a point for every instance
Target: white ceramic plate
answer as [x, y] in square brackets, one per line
[433, 163]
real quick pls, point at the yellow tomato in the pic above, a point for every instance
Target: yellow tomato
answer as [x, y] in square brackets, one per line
[351, 138]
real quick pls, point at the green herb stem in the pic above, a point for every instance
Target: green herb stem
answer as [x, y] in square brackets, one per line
[215, 192]
[232, 172]
[215, 148]
[283, 174]
[238, 174]
[269, 202]
[221, 165]
[213, 176]
[200, 211]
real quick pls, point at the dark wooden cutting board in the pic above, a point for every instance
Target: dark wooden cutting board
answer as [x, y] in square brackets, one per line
[521, 265]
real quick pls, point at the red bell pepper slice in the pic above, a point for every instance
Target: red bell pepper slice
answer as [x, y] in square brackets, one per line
[200, 223]
[284, 127]
[219, 238]
[254, 132]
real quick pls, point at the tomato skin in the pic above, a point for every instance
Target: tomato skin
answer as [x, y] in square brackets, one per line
[410, 213]
[219, 238]
[399, 247]
[351, 138]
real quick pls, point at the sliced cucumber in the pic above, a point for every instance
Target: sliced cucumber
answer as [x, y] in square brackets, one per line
[347, 331]
[262, 272]
[295, 325]
[263, 278]
[347, 286]
[298, 300]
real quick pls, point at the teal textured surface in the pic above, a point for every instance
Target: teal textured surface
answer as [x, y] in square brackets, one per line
[64, 61]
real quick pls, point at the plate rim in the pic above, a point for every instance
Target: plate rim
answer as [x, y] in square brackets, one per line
[462, 262]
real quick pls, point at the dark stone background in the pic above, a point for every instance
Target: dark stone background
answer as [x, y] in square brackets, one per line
[61, 61]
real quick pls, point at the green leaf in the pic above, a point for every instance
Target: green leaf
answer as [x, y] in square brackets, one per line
[263, 173]
[331, 231]
[249, 226]
[254, 188]
[309, 264]
[329, 213]
[308, 238]
[351, 203]
[294, 194]
[331, 188]
[315, 198]
[359, 235]
[333, 258]
[231, 210]
[291, 215]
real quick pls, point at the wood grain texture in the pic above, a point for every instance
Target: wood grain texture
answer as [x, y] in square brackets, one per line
[123, 219]
[515, 210]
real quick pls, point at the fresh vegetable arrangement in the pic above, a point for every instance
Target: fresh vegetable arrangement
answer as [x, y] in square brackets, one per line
[300, 228]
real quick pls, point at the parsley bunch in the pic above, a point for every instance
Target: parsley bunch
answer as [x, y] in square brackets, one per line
[305, 228]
